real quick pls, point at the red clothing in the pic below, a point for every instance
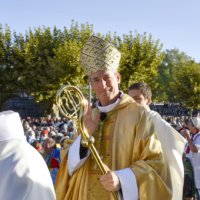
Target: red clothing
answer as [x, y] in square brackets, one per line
[183, 128]
[49, 122]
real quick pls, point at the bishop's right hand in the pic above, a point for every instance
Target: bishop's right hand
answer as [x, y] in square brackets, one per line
[89, 124]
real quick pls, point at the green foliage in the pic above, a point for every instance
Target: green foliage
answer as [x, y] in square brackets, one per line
[140, 59]
[9, 57]
[187, 83]
[173, 60]
[43, 60]
[52, 60]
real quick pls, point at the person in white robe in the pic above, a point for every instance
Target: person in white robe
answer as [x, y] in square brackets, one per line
[172, 142]
[24, 174]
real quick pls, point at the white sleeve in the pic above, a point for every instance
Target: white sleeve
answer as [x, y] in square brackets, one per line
[74, 161]
[128, 184]
[197, 143]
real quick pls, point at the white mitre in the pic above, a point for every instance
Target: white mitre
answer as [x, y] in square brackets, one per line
[10, 126]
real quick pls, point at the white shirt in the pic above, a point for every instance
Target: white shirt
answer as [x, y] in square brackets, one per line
[195, 159]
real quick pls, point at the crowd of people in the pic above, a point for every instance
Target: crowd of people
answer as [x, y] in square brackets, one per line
[53, 127]
[144, 155]
[171, 109]
[47, 135]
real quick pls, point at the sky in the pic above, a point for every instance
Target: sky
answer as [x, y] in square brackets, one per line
[176, 23]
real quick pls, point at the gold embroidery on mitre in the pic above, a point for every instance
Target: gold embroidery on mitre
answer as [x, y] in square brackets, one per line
[98, 55]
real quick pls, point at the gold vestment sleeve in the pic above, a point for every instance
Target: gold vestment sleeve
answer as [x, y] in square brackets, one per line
[151, 169]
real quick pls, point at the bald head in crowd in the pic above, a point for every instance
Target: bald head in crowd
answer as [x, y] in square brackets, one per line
[49, 145]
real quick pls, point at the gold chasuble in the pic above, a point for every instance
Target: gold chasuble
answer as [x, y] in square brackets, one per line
[128, 141]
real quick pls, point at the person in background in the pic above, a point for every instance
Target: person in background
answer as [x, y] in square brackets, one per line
[38, 135]
[57, 123]
[49, 121]
[24, 174]
[64, 146]
[63, 128]
[38, 147]
[34, 128]
[44, 135]
[36, 122]
[28, 131]
[42, 122]
[196, 113]
[71, 131]
[62, 140]
[52, 129]
[52, 134]
[192, 152]
[51, 156]
[58, 137]
[172, 142]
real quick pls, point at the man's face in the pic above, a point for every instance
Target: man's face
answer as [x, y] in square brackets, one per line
[47, 148]
[48, 117]
[26, 127]
[70, 129]
[45, 135]
[139, 98]
[192, 128]
[105, 85]
[196, 115]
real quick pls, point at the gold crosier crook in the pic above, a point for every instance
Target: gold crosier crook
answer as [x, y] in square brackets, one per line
[70, 102]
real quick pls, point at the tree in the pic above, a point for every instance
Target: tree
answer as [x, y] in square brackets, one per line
[44, 60]
[173, 60]
[140, 59]
[187, 83]
[52, 60]
[8, 66]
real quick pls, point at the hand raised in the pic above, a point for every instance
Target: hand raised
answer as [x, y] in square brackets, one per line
[89, 124]
[185, 133]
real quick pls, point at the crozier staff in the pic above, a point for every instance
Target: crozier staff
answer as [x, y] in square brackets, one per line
[124, 137]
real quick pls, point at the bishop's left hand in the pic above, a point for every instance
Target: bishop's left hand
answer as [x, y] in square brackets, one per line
[110, 180]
